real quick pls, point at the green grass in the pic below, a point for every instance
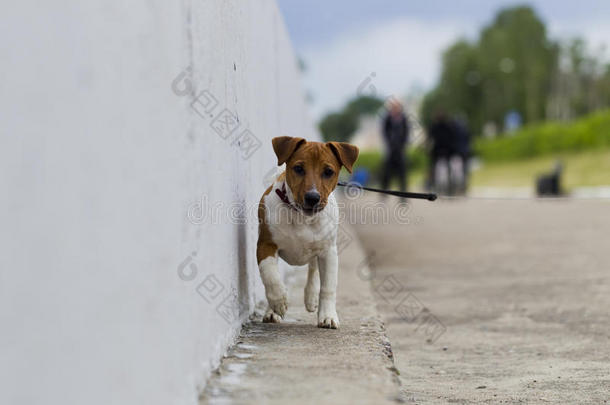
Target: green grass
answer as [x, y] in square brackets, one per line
[549, 138]
[582, 169]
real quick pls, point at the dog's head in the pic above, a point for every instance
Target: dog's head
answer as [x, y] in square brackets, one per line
[312, 168]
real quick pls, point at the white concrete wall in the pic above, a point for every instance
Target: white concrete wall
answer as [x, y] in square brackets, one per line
[100, 161]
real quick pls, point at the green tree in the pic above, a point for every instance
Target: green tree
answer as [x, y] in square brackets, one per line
[364, 105]
[517, 61]
[459, 90]
[581, 85]
[340, 126]
[509, 67]
[605, 87]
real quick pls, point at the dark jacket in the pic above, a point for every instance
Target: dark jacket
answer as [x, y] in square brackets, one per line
[396, 135]
[462, 138]
[443, 137]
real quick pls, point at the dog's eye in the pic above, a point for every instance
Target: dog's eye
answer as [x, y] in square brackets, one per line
[328, 173]
[299, 170]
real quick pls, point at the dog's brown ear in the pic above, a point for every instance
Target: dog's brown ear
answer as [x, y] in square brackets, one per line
[345, 153]
[284, 147]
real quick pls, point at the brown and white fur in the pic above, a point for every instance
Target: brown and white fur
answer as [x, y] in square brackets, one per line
[298, 218]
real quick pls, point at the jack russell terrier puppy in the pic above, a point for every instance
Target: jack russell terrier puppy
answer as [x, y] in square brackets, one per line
[298, 219]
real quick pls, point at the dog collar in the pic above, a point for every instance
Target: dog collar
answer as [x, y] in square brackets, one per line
[283, 196]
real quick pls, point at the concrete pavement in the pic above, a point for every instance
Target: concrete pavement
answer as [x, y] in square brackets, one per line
[522, 288]
[296, 362]
[484, 302]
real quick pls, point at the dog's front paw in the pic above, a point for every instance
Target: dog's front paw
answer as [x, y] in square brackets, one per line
[277, 299]
[279, 306]
[311, 299]
[271, 317]
[328, 321]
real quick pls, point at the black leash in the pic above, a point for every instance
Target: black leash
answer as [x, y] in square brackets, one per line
[404, 194]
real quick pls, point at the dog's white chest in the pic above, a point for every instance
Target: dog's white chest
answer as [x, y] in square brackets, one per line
[297, 244]
[300, 238]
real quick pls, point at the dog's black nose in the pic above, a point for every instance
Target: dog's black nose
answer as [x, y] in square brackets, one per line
[312, 198]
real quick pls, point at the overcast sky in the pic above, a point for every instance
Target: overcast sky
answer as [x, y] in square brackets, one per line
[397, 43]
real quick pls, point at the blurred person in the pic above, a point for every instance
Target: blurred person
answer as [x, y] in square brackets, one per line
[462, 150]
[395, 129]
[443, 145]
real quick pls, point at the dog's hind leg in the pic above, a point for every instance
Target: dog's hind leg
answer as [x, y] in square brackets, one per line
[312, 288]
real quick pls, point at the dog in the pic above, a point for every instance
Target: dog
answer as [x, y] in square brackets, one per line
[549, 185]
[298, 220]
